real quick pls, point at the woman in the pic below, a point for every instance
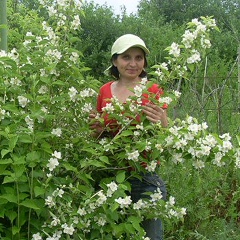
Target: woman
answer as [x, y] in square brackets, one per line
[128, 57]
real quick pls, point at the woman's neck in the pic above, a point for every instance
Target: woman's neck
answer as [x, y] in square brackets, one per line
[128, 82]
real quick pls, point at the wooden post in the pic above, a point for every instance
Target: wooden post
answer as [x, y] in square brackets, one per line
[239, 78]
[3, 25]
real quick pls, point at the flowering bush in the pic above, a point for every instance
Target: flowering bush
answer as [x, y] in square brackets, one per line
[57, 182]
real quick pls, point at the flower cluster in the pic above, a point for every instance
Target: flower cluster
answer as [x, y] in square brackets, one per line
[111, 198]
[183, 56]
[188, 140]
[57, 10]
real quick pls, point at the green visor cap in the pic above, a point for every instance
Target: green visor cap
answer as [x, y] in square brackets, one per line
[127, 41]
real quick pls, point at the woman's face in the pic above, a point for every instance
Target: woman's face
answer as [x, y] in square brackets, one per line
[130, 63]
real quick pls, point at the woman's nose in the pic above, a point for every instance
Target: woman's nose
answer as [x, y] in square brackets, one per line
[132, 62]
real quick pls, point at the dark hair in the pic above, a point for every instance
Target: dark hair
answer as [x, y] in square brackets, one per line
[113, 71]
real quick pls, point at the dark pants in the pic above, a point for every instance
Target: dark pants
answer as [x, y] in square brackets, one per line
[149, 183]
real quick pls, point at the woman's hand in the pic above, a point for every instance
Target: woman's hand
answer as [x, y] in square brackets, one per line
[95, 125]
[156, 114]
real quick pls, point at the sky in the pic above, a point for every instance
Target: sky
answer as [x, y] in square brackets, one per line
[131, 5]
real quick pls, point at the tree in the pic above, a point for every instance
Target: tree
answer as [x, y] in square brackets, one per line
[3, 27]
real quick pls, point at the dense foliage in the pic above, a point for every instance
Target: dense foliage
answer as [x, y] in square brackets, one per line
[58, 183]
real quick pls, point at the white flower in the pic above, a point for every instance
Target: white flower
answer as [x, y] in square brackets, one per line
[204, 126]
[188, 38]
[138, 91]
[171, 201]
[198, 164]
[76, 22]
[183, 211]
[55, 221]
[217, 159]
[57, 132]
[81, 211]
[52, 163]
[156, 196]
[103, 141]
[177, 158]
[87, 108]
[102, 198]
[133, 155]
[159, 72]
[225, 137]
[194, 58]
[195, 128]
[177, 93]
[205, 43]
[140, 126]
[112, 187]
[164, 66]
[139, 204]
[74, 57]
[159, 147]
[44, 109]
[152, 166]
[15, 81]
[88, 92]
[124, 202]
[49, 201]
[109, 108]
[133, 107]
[73, 93]
[29, 121]
[226, 146]
[23, 101]
[36, 236]
[201, 28]
[68, 229]
[172, 213]
[55, 54]
[43, 89]
[51, 11]
[166, 100]
[169, 140]
[174, 50]
[57, 155]
[100, 221]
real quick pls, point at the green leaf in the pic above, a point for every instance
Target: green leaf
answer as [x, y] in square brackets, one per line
[25, 138]
[104, 159]
[8, 179]
[9, 197]
[5, 152]
[121, 177]
[69, 167]
[129, 228]
[114, 206]
[30, 203]
[59, 83]
[135, 222]
[127, 133]
[11, 108]
[39, 191]
[11, 215]
[15, 230]
[33, 158]
[13, 141]
[18, 160]
[5, 161]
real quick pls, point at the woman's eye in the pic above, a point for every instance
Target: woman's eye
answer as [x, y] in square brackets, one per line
[126, 57]
[139, 58]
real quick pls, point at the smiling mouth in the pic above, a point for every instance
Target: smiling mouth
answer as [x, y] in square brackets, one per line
[132, 70]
